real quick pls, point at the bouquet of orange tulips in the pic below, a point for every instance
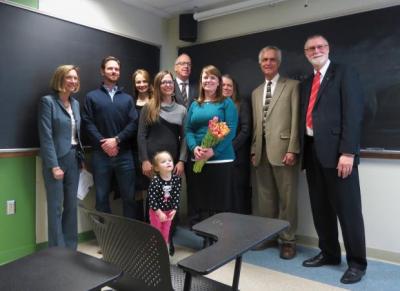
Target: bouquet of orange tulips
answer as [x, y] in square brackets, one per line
[217, 131]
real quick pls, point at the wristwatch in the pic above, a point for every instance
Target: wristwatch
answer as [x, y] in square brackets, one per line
[117, 139]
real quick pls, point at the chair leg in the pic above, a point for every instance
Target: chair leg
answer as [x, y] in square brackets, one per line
[172, 231]
[236, 274]
[171, 246]
[188, 281]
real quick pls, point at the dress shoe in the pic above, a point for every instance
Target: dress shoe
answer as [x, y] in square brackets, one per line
[265, 245]
[320, 260]
[287, 251]
[352, 275]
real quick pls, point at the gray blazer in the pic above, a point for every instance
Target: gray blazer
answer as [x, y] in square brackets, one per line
[55, 129]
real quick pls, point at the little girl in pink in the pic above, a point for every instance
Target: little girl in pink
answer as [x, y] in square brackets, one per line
[163, 194]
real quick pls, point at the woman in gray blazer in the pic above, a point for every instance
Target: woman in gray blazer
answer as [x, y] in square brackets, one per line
[61, 152]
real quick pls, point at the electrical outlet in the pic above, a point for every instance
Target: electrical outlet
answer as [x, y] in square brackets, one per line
[10, 207]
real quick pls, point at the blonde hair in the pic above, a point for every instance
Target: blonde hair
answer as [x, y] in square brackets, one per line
[146, 76]
[57, 80]
[211, 70]
[155, 159]
[154, 105]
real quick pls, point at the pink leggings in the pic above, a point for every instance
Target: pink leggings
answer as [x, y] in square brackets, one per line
[163, 227]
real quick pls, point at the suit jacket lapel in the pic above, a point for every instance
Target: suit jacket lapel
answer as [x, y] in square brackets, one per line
[259, 102]
[307, 86]
[178, 95]
[328, 76]
[277, 93]
[61, 105]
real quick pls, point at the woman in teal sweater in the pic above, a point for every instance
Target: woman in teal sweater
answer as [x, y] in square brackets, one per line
[210, 191]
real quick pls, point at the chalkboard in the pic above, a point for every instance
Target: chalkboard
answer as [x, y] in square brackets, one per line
[32, 46]
[368, 41]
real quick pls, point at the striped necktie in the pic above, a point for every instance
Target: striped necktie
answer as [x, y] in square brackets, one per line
[184, 93]
[267, 100]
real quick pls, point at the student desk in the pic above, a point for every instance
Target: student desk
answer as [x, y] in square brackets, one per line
[234, 234]
[57, 269]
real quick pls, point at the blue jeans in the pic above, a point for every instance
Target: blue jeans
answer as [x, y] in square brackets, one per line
[62, 203]
[123, 167]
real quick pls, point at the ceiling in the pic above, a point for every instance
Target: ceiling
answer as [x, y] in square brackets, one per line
[170, 8]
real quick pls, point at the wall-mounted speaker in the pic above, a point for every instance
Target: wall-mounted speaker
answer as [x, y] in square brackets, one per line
[187, 27]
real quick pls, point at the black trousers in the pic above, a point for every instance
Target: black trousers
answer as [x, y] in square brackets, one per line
[335, 198]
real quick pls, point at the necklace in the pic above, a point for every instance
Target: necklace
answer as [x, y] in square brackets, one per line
[67, 104]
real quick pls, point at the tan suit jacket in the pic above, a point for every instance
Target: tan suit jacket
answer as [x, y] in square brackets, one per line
[282, 122]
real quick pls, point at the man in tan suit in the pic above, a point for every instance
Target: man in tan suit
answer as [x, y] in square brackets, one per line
[275, 147]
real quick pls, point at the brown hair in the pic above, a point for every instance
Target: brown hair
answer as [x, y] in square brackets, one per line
[107, 59]
[57, 80]
[154, 105]
[211, 70]
[235, 93]
[146, 76]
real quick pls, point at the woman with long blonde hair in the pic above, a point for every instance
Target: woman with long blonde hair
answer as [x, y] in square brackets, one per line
[143, 91]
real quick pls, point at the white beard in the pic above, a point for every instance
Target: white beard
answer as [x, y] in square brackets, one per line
[319, 62]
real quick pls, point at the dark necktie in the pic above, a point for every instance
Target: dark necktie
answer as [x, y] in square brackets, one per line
[313, 97]
[267, 100]
[184, 93]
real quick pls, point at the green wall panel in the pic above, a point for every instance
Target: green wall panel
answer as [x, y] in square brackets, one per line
[17, 231]
[29, 3]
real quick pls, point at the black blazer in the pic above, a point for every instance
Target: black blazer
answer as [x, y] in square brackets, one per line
[337, 114]
[241, 142]
[193, 93]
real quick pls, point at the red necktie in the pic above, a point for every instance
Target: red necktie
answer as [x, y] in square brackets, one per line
[313, 97]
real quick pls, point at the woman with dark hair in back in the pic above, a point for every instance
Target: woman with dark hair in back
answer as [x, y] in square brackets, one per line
[143, 91]
[210, 191]
[61, 152]
[241, 193]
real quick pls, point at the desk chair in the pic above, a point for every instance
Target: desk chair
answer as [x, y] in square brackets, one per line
[140, 251]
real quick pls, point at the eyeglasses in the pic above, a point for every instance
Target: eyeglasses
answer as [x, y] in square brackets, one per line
[189, 64]
[317, 47]
[167, 82]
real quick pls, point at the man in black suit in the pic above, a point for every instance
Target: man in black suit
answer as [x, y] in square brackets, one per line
[330, 125]
[185, 91]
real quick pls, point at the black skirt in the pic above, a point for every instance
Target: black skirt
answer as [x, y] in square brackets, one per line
[210, 190]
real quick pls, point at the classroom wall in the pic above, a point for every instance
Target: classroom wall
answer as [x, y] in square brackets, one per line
[283, 14]
[17, 182]
[380, 178]
[111, 16]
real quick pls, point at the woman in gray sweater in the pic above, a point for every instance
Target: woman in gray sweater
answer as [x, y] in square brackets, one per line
[161, 126]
